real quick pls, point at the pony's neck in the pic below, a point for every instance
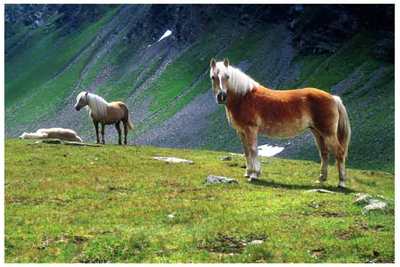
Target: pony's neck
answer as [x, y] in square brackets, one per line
[98, 107]
[239, 82]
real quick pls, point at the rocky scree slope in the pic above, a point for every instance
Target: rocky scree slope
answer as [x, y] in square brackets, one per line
[52, 52]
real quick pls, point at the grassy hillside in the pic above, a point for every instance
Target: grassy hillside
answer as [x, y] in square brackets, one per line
[118, 204]
[117, 56]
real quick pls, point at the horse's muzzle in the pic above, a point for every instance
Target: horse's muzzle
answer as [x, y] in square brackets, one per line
[221, 97]
[77, 108]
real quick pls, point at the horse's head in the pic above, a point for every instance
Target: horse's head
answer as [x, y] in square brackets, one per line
[219, 75]
[81, 100]
[23, 136]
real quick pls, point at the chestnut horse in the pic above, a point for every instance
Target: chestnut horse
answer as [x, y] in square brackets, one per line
[105, 114]
[253, 109]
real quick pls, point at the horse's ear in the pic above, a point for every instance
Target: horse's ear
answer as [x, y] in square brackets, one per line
[86, 93]
[226, 62]
[213, 63]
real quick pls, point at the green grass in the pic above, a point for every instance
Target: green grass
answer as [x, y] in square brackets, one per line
[31, 80]
[343, 63]
[55, 93]
[111, 204]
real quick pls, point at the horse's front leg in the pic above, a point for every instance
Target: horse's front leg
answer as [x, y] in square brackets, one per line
[246, 153]
[96, 126]
[251, 137]
[102, 133]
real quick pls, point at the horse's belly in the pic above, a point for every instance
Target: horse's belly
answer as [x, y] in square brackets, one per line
[281, 131]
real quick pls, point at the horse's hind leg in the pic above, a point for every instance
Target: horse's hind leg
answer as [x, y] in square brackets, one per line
[125, 132]
[117, 125]
[102, 133]
[246, 153]
[334, 145]
[324, 154]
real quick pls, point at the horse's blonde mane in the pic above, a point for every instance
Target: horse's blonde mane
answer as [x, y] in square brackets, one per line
[238, 81]
[97, 105]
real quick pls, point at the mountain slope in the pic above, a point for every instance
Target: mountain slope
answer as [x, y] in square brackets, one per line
[113, 51]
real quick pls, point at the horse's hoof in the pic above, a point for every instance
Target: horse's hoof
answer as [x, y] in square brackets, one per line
[320, 181]
[246, 175]
[341, 185]
[253, 179]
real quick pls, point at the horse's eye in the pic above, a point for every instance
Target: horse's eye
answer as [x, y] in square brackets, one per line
[227, 77]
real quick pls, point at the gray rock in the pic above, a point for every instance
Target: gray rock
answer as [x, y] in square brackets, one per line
[218, 179]
[254, 242]
[320, 191]
[375, 205]
[314, 205]
[174, 160]
[363, 199]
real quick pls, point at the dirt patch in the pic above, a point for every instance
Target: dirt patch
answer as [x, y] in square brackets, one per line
[318, 253]
[75, 239]
[227, 244]
[332, 214]
[345, 234]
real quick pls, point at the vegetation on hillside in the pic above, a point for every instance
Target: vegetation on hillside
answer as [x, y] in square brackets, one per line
[112, 50]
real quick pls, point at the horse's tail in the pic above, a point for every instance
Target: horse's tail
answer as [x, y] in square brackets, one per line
[128, 121]
[130, 125]
[344, 130]
[78, 139]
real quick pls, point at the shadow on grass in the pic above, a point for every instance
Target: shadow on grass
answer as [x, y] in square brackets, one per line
[301, 187]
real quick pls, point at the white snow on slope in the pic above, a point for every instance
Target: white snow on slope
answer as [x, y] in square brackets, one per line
[269, 151]
[166, 34]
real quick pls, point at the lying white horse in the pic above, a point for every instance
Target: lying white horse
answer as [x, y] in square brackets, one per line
[56, 133]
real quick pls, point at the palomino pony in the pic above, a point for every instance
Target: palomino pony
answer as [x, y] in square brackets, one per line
[57, 133]
[105, 114]
[253, 109]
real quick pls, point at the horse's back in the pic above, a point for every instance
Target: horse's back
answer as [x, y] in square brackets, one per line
[116, 111]
[61, 133]
[295, 94]
[284, 114]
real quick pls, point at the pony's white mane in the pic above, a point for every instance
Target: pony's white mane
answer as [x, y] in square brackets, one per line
[238, 81]
[97, 105]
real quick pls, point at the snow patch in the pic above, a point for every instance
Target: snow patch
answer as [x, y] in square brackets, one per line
[269, 151]
[166, 34]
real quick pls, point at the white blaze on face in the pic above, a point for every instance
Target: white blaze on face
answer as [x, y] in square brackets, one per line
[220, 81]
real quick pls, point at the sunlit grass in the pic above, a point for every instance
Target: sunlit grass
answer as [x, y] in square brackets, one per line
[112, 204]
